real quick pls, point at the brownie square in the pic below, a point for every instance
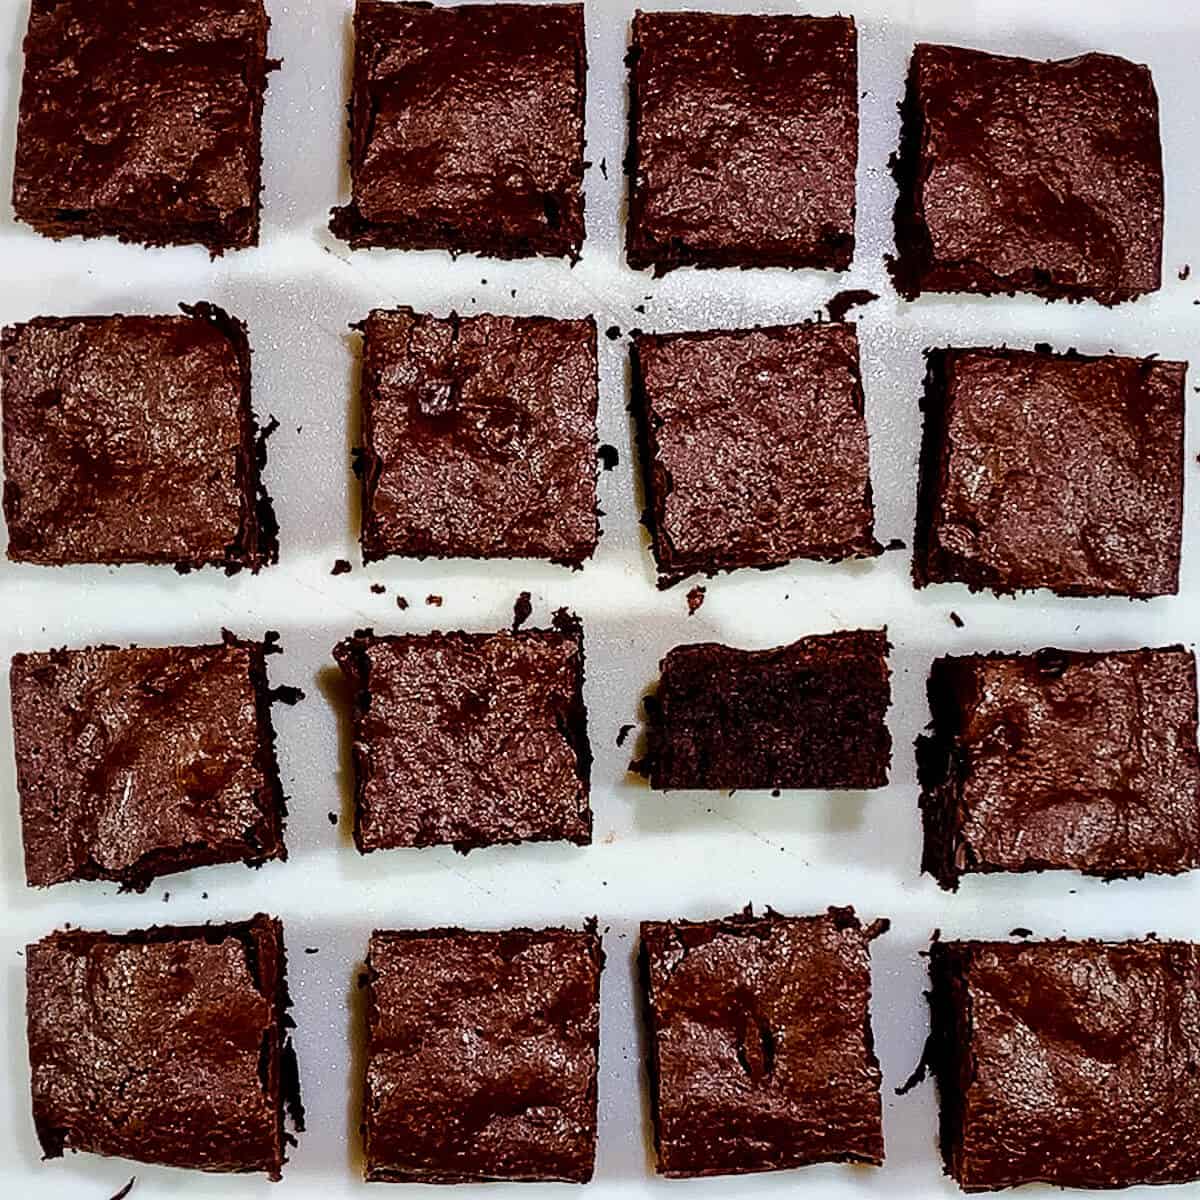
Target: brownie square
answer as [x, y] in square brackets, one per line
[754, 447]
[469, 739]
[132, 439]
[1059, 759]
[808, 715]
[143, 121]
[1067, 1063]
[1022, 176]
[1051, 471]
[166, 1045]
[466, 129]
[479, 437]
[760, 1048]
[137, 763]
[743, 141]
[482, 1054]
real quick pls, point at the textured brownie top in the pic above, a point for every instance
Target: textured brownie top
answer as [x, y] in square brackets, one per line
[143, 120]
[467, 128]
[164, 1045]
[808, 715]
[1061, 759]
[134, 763]
[756, 447]
[482, 1052]
[469, 738]
[479, 437]
[1051, 471]
[131, 439]
[1069, 1063]
[1028, 176]
[761, 1053]
[743, 142]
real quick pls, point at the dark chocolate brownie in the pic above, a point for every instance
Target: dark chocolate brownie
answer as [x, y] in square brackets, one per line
[754, 447]
[1067, 1063]
[166, 1045]
[466, 129]
[1022, 176]
[760, 1048]
[479, 437]
[143, 120]
[808, 715]
[1042, 470]
[469, 739]
[743, 140]
[132, 439]
[1062, 760]
[137, 763]
[482, 1054]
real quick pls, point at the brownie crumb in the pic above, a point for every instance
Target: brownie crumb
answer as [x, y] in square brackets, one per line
[958, 621]
[521, 611]
[433, 601]
[125, 1190]
[401, 602]
[613, 332]
[844, 301]
[166, 897]
[311, 950]
[270, 642]
[286, 695]
[1020, 932]
[333, 818]
[1185, 271]
[623, 733]
[604, 167]
[378, 589]
[609, 456]
[695, 598]
[341, 567]
[639, 308]
[896, 544]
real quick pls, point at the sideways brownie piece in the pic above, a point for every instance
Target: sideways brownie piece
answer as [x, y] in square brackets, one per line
[754, 447]
[760, 1048]
[469, 739]
[743, 141]
[132, 439]
[1056, 471]
[482, 1055]
[143, 121]
[166, 1045]
[466, 129]
[1058, 759]
[1067, 1063]
[137, 763]
[1022, 176]
[808, 715]
[479, 437]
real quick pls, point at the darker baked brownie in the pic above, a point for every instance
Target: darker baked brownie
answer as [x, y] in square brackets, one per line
[1067, 1063]
[1051, 471]
[760, 1048]
[1021, 176]
[136, 763]
[482, 1053]
[469, 739]
[808, 715]
[743, 141]
[143, 120]
[754, 447]
[166, 1045]
[466, 129]
[1062, 760]
[132, 439]
[479, 437]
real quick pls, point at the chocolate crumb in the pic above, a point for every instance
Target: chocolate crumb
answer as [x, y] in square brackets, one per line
[378, 588]
[311, 949]
[125, 1190]
[896, 544]
[401, 602]
[623, 733]
[695, 598]
[1020, 932]
[609, 456]
[521, 610]
[604, 167]
[958, 621]
[844, 301]
[341, 567]
[333, 818]
[286, 695]
[166, 897]
[1185, 270]
[613, 332]
[434, 601]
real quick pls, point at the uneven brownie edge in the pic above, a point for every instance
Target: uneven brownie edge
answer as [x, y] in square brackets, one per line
[948, 1051]
[931, 468]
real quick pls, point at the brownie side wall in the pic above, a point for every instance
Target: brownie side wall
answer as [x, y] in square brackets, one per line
[572, 722]
[656, 479]
[352, 657]
[950, 1056]
[650, 1032]
[914, 252]
[273, 801]
[931, 472]
[368, 465]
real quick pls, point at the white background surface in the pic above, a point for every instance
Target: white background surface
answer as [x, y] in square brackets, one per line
[685, 854]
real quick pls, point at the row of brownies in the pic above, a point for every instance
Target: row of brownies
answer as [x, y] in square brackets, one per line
[467, 134]
[132, 439]
[1065, 1062]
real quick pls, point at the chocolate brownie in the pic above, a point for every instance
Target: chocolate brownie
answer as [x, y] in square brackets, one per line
[1056, 471]
[1022, 176]
[1067, 1063]
[808, 715]
[479, 437]
[136, 763]
[132, 439]
[1059, 759]
[466, 129]
[760, 1048]
[469, 739]
[143, 121]
[754, 447]
[482, 1054]
[743, 141]
[167, 1045]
